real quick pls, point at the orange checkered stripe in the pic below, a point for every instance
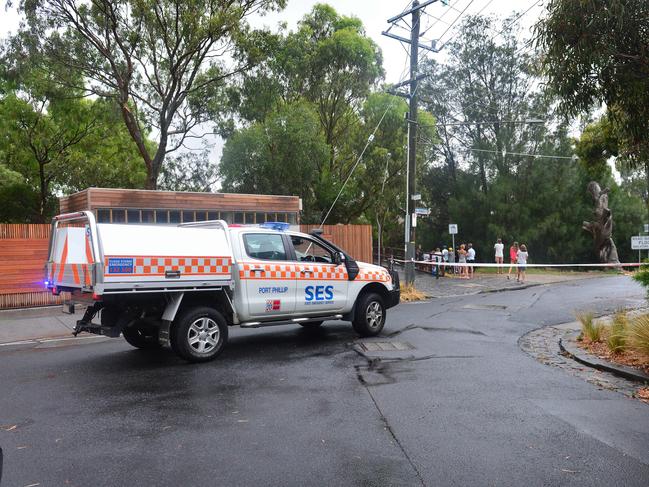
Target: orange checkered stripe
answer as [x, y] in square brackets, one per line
[270, 271]
[159, 265]
[379, 276]
[292, 271]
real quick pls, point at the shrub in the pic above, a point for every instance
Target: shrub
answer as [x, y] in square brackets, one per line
[637, 335]
[589, 327]
[616, 340]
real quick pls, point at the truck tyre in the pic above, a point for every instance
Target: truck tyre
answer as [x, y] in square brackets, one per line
[311, 325]
[142, 334]
[199, 334]
[369, 317]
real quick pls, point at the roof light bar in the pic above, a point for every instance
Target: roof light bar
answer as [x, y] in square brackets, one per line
[279, 226]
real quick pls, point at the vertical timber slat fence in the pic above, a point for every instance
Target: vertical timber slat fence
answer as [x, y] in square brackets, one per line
[356, 240]
[23, 251]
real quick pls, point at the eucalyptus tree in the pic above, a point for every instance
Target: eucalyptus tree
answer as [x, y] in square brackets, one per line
[595, 52]
[159, 60]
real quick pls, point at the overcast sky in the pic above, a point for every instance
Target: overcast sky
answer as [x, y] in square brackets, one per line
[374, 15]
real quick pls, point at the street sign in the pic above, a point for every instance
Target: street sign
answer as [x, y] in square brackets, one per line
[640, 242]
[452, 229]
[414, 220]
[416, 197]
[422, 211]
[646, 228]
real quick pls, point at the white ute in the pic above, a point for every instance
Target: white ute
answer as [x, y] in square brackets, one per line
[182, 286]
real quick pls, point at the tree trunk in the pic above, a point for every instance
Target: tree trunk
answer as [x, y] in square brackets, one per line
[43, 191]
[136, 135]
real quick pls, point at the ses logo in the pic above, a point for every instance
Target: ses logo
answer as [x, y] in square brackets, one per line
[319, 295]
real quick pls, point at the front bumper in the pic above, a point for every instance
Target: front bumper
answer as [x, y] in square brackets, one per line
[394, 296]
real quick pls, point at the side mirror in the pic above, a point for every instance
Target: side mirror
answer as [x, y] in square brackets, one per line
[339, 258]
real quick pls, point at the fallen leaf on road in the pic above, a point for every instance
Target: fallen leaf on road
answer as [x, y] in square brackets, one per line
[33, 485]
[242, 420]
[569, 471]
[21, 447]
[10, 428]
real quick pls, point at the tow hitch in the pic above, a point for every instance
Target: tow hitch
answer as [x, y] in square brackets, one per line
[86, 324]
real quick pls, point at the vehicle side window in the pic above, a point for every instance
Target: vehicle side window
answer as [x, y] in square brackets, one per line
[307, 250]
[265, 246]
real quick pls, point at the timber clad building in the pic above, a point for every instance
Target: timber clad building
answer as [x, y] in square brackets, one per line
[170, 207]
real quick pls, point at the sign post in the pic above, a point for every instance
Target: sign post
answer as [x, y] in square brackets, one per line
[452, 229]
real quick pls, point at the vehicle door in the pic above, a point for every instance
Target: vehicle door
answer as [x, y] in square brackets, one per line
[322, 284]
[268, 274]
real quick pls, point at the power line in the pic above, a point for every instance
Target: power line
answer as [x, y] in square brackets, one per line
[456, 19]
[506, 153]
[516, 19]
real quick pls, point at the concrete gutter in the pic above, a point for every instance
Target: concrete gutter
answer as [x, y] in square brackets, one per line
[599, 364]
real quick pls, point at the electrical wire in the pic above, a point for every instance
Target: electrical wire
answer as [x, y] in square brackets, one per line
[506, 153]
[456, 19]
[516, 19]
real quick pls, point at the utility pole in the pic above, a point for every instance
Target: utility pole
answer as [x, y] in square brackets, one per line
[412, 142]
[409, 234]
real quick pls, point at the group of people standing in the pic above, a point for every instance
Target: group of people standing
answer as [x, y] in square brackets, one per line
[518, 256]
[464, 254]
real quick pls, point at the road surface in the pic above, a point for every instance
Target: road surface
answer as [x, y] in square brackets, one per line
[457, 402]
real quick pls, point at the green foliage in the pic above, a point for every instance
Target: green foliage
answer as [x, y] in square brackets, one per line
[642, 276]
[284, 154]
[190, 171]
[54, 144]
[617, 333]
[496, 191]
[595, 53]
[318, 81]
[161, 61]
[637, 335]
[590, 328]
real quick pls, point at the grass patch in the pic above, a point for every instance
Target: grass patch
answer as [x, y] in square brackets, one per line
[617, 333]
[637, 335]
[590, 329]
[410, 293]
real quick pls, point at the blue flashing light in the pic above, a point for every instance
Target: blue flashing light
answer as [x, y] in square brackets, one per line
[279, 226]
[46, 283]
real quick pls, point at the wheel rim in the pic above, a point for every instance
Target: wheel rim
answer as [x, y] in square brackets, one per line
[374, 315]
[203, 335]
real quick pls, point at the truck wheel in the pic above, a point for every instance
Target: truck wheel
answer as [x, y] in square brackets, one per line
[311, 325]
[142, 334]
[199, 334]
[370, 315]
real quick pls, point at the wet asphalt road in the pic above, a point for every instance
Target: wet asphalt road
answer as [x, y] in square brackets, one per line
[284, 406]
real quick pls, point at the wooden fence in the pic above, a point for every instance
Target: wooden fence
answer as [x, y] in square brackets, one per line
[23, 252]
[356, 240]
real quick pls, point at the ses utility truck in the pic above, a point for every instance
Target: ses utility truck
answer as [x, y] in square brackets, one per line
[184, 285]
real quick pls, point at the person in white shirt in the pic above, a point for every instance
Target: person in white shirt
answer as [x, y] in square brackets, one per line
[521, 260]
[444, 259]
[470, 259]
[498, 250]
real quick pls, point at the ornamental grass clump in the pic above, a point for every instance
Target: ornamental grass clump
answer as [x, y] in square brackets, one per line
[590, 329]
[637, 335]
[616, 340]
